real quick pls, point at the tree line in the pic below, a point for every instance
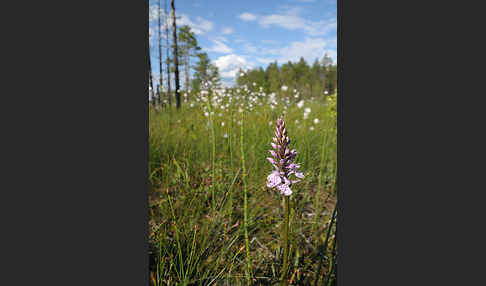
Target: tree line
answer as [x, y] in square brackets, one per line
[310, 81]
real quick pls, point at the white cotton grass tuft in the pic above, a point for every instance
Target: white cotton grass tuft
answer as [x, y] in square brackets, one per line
[307, 110]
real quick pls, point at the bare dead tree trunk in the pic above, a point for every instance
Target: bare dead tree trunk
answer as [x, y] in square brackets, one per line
[151, 83]
[176, 61]
[161, 78]
[158, 92]
[187, 69]
[167, 61]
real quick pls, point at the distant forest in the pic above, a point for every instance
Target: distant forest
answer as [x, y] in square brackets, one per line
[310, 81]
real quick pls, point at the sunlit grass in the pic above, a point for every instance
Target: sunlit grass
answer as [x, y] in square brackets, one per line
[197, 192]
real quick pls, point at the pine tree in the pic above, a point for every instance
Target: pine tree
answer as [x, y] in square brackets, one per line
[214, 77]
[167, 54]
[161, 74]
[241, 78]
[176, 61]
[316, 80]
[273, 77]
[331, 83]
[205, 72]
[151, 84]
[288, 75]
[302, 77]
[326, 60]
[187, 48]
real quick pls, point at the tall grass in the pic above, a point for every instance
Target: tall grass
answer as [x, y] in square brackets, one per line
[203, 194]
[324, 247]
[245, 202]
[323, 168]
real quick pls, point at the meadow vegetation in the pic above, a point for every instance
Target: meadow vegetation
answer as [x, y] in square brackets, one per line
[197, 179]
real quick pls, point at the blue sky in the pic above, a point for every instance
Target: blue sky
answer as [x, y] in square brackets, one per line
[252, 33]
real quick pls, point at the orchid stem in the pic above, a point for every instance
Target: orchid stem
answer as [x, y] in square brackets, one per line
[285, 242]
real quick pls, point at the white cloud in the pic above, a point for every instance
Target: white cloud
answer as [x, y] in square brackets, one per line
[309, 49]
[221, 39]
[248, 17]
[321, 27]
[227, 30]
[153, 13]
[265, 61]
[198, 25]
[291, 19]
[295, 22]
[204, 24]
[250, 48]
[230, 64]
[219, 47]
